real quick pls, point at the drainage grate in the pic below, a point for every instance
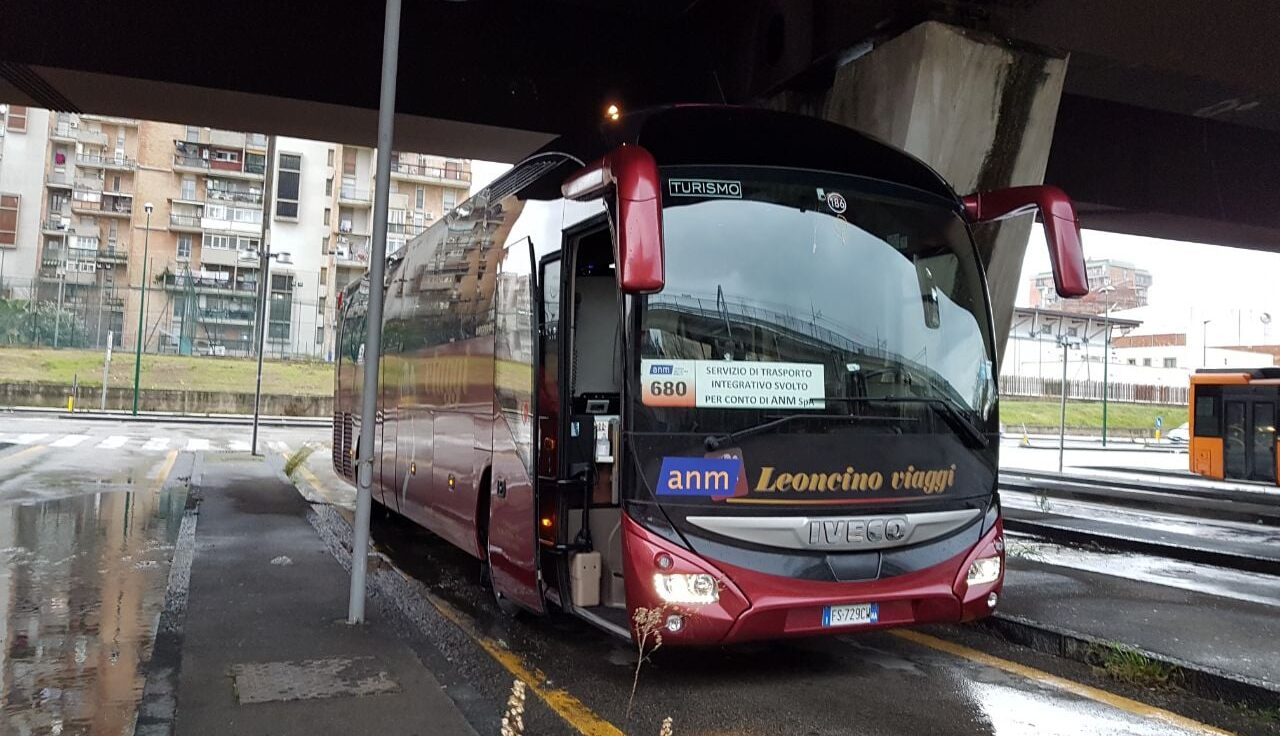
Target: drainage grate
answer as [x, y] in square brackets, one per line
[315, 678]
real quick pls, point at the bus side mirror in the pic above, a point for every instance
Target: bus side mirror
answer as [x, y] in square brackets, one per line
[632, 175]
[1061, 228]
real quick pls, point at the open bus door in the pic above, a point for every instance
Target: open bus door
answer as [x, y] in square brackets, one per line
[513, 503]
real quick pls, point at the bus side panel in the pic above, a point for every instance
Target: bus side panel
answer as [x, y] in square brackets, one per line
[1206, 456]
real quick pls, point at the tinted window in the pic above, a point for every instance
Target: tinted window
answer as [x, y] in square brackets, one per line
[1208, 423]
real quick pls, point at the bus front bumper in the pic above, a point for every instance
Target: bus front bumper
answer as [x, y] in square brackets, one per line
[752, 606]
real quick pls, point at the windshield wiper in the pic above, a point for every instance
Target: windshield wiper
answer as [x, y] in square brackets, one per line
[944, 408]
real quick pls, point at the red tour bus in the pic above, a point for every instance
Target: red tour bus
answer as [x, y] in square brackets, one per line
[730, 364]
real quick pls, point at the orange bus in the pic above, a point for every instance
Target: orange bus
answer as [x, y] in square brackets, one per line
[1233, 423]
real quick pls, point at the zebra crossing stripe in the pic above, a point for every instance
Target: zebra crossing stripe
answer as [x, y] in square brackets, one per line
[279, 446]
[196, 443]
[70, 440]
[29, 439]
[156, 443]
[238, 446]
[113, 442]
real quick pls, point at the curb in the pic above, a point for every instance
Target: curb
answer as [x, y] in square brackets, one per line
[1197, 679]
[220, 419]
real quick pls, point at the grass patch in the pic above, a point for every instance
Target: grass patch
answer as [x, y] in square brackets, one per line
[298, 457]
[1088, 415]
[191, 373]
[1127, 664]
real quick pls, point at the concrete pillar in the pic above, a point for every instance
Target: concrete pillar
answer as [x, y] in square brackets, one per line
[977, 109]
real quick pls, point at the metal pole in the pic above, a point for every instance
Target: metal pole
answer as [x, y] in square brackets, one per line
[373, 339]
[106, 368]
[57, 315]
[264, 285]
[1062, 422]
[142, 311]
[1106, 358]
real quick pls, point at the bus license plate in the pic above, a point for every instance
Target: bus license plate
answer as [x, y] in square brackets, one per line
[851, 615]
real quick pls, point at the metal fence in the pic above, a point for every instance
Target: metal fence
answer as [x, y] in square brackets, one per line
[1125, 393]
[183, 317]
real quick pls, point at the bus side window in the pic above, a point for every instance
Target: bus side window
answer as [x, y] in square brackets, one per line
[1208, 414]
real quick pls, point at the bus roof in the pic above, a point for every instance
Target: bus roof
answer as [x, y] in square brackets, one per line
[745, 136]
[1226, 375]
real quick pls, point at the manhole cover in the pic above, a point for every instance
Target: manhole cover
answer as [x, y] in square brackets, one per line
[314, 678]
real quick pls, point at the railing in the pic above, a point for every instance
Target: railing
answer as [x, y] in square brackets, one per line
[184, 220]
[88, 159]
[59, 177]
[255, 168]
[122, 207]
[63, 130]
[433, 172]
[406, 228]
[56, 223]
[225, 315]
[182, 281]
[352, 194]
[119, 253]
[1126, 393]
[191, 162]
[233, 195]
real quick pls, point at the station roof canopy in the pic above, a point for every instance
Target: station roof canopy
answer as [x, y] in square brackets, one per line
[1170, 125]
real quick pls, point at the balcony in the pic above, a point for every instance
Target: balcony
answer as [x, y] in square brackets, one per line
[114, 163]
[56, 225]
[406, 228]
[351, 252]
[63, 131]
[113, 120]
[113, 303]
[206, 284]
[184, 223]
[88, 184]
[230, 316]
[118, 254]
[432, 175]
[190, 164]
[118, 208]
[91, 137]
[226, 194]
[58, 179]
[255, 140]
[355, 197]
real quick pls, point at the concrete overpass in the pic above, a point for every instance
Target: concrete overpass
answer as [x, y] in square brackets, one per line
[1160, 118]
[1169, 121]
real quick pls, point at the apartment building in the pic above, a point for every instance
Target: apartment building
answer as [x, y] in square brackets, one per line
[74, 223]
[1113, 285]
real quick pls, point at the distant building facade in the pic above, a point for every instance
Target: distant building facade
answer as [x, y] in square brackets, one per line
[1113, 285]
[74, 230]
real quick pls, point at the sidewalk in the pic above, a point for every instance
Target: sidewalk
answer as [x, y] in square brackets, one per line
[261, 645]
[170, 417]
[1228, 648]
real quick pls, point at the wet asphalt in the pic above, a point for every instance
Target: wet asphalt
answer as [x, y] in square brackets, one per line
[86, 537]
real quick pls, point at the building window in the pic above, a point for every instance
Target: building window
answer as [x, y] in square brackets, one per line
[348, 162]
[1133, 361]
[1146, 362]
[226, 156]
[319, 334]
[329, 161]
[420, 198]
[287, 185]
[217, 242]
[188, 188]
[9, 216]
[450, 200]
[17, 121]
[1170, 362]
[324, 276]
[193, 133]
[328, 187]
[327, 214]
[184, 247]
[324, 246]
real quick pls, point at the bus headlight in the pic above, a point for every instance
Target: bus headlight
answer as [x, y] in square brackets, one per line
[985, 570]
[692, 588]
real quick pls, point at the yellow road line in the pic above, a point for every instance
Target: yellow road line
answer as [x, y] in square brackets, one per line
[165, 468]
[24, 452]
[1092, 693]
[573, 711]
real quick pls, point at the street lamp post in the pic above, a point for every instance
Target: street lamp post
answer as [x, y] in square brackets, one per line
[1106, 355]
[142, 309]
[1204, 343]
[264, 264]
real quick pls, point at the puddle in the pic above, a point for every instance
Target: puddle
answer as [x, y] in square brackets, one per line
[82, 583]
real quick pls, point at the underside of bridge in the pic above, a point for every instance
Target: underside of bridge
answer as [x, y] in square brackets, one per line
[1168, 123]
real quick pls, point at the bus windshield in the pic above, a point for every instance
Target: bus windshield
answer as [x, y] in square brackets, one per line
[816, 328]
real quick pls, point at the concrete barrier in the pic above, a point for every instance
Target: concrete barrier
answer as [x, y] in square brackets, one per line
[181, 401]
